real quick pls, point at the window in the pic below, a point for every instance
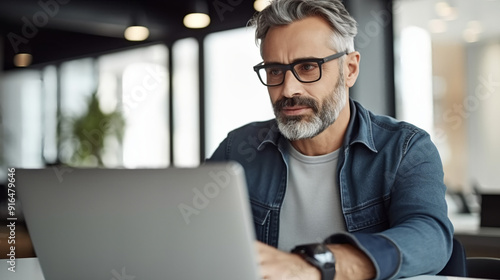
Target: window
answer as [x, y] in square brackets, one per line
[186, 103]
[234, 94]
[134, 84]
[114, 109]
[21, 108]
[78, 83]
[49, 96]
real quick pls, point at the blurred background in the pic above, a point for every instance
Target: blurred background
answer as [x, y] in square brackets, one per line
[158, 83]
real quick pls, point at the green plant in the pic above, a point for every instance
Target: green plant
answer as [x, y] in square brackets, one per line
[88, 133]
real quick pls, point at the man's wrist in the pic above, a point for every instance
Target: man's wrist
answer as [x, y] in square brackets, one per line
[310, 270]
[319, 256]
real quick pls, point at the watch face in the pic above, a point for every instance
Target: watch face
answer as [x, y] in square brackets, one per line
[324, 257]
[323, 254]
[317, 251]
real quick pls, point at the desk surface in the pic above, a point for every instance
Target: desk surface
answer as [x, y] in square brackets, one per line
[477, 241]
[29, 268]
[470, 224]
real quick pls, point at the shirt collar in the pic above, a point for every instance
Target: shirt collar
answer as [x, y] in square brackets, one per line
[273, 136]
[359, 129]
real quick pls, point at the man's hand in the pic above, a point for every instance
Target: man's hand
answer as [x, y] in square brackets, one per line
[350, 263]
[278, 265]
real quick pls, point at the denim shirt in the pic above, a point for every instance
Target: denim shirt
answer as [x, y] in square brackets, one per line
[391, 187]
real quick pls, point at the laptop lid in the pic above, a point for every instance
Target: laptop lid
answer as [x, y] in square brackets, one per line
[175, 223]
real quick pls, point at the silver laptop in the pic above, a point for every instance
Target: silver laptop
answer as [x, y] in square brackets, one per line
[140, 224]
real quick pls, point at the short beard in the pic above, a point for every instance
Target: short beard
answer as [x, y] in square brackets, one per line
[306, 127]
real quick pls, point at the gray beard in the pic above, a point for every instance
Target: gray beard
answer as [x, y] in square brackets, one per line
[306, 127]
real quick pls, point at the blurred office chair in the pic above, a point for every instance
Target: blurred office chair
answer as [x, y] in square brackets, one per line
[486, 268]
[457, 264]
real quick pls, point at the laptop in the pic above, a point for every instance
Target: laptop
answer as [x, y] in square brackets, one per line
[140, 224]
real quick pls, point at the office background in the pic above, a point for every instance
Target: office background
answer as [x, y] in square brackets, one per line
[89, 97]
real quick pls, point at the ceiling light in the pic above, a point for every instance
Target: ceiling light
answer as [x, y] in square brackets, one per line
[196, 20]
[471, 33]
[23, 59]
[470, 36]
[136, 33]
[446, 11]
[260, 5]
[197, 16]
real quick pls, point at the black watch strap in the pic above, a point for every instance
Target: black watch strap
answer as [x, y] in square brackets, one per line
[319, 256]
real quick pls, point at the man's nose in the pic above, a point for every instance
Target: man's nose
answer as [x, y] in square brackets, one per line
[291, 85]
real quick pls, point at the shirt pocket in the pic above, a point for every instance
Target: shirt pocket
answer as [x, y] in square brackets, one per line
[261, 219]
[368, 218]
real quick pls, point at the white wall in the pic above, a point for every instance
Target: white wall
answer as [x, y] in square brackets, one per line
[481, 110]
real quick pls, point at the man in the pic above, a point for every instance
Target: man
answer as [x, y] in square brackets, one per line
[327, 172]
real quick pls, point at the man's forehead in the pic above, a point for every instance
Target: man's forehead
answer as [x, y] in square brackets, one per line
[303, 38]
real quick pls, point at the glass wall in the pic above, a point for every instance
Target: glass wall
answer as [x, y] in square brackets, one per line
[448, 82]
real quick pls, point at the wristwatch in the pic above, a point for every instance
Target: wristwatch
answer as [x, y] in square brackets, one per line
[318, 255]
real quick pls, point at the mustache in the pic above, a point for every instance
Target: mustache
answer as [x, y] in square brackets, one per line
[295, 101]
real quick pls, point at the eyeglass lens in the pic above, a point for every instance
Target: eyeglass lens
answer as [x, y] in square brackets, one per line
[304, 72]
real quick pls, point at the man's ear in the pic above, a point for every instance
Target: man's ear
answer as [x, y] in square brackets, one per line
[352, 68]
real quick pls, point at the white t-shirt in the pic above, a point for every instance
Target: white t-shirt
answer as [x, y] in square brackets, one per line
[311, 209]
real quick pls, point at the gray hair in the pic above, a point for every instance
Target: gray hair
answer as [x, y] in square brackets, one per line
[283, 12]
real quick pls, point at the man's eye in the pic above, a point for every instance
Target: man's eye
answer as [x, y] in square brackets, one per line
[307, 66]
[274, 71]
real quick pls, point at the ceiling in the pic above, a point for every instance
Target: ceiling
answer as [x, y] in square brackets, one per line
[56, 30]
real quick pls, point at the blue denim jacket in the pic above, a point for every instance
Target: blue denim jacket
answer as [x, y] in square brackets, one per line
[391, 182]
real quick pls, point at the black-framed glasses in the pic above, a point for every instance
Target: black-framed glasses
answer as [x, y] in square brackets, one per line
[305, 70]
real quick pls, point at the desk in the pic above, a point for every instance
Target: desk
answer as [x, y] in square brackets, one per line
[24, 248]
[477, 241]
[29, 268]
